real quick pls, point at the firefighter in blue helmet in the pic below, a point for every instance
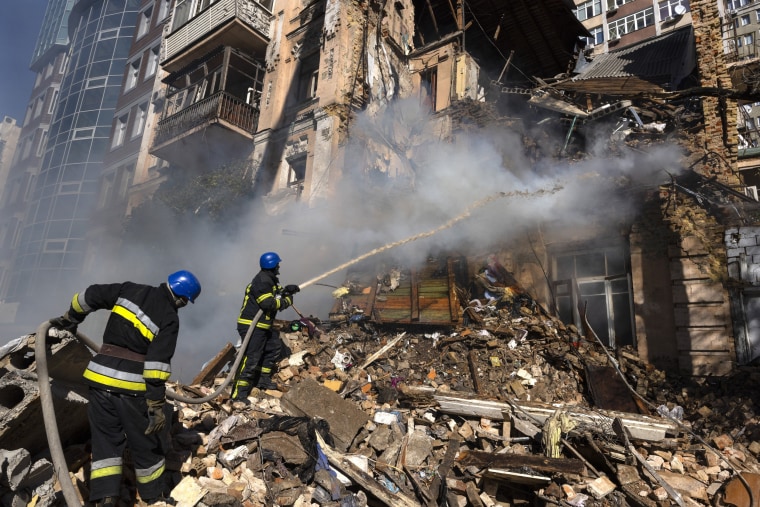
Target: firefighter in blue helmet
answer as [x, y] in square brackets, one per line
[127, 405]
[264, 346]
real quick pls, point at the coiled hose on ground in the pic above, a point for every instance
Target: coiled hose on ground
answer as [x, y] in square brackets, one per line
[48, 410]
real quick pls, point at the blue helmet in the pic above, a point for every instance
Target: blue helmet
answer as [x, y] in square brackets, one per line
[269, 260]
[185, 284]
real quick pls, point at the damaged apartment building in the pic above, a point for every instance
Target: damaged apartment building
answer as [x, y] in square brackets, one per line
[279, 83]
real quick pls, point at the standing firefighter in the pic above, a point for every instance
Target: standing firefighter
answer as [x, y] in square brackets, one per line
[264, 347]
[127, 405]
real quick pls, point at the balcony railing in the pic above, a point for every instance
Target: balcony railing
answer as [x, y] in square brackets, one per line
[220, 106]
[248, 11]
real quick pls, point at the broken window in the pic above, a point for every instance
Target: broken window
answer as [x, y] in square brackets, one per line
[308, 76]
[428, 85]
[596, 283]
[297, 172]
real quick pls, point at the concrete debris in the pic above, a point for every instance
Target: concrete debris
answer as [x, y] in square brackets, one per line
[497, 410]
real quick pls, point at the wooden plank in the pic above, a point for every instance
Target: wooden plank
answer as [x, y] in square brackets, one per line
[641, 427]
[452, 293]
[483, 459]
[414, 295]
[214, 366]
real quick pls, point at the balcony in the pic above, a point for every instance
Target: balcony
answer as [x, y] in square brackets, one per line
[219, 127]
[243, 24]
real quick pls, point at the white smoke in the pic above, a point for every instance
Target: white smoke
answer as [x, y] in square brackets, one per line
[442, 180]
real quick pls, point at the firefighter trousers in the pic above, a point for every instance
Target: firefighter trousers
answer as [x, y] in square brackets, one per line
[265, 348]
[118, 421]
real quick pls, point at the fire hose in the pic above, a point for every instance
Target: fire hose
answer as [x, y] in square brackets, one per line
[48, 410]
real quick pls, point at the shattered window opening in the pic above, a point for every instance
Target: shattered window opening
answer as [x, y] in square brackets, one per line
[428, 85]
[599, 281]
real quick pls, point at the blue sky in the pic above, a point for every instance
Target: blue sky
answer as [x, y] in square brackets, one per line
[19, 27]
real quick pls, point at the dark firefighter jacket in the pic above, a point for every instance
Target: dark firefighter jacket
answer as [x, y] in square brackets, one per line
[143, 322]
[264, 292]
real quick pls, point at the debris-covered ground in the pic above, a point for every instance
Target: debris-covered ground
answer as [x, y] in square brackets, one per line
[510, 408]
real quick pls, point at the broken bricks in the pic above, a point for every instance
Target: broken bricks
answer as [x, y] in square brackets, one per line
[404, 424]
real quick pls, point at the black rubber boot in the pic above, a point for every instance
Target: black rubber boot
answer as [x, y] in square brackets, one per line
[266, 383]
[109, 501]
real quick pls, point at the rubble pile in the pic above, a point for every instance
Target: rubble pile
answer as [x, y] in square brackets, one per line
[510, 408]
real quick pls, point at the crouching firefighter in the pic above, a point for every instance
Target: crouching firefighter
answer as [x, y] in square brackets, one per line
[265, 347]
[127, 392]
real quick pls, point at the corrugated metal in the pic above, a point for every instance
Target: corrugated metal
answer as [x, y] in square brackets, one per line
[663, 57]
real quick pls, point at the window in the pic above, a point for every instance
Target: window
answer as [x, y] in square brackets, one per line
[614, 4]
[42, 143]
[732, 5]
[29, 110]
[588, 9]
[181, 13]
[757, 122]
[120, 131]
[49, 70]
[597, 36]
[744, 20]
[27, 147]
[143, 25]
[53, 101]
[96, 82]
[163, 9]
[142, 116]
[308, 77]
[631, 23]
[38, 103]
[668, 8]
[64, 61]
[111, 33]
[297, 172]
[83, 133]
[597, 280]
[428, 87]
[152, 66]
[55, 245]
[133, 71]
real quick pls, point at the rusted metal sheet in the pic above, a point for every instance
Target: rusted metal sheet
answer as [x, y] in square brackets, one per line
[424, 296]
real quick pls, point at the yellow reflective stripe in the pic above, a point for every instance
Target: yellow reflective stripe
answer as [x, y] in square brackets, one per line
[131, 317]
[247, 322]
[152, 477]
[105, 472]
[110, 381]
[157, 374]
[264, 369]
[262, 325]
[79, 304]
[264, 296]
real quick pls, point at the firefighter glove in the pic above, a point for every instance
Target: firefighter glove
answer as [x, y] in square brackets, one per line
[65, 322]
[292, 289]
[156, 416]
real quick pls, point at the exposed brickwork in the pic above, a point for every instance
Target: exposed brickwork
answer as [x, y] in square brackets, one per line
[720, 134]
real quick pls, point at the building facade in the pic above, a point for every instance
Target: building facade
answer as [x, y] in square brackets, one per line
[614, 24]
[128, 168]
[49, 62]
[52, 244]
